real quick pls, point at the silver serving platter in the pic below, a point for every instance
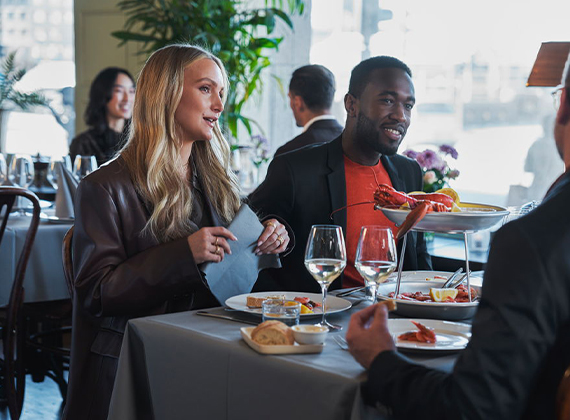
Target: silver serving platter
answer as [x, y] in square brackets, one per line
[470, 220]
[431, 310]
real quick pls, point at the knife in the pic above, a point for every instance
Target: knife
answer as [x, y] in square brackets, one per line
[229, 318]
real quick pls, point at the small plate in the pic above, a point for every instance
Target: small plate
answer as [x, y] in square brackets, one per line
[450, 336]
[479, 217]
[334, 304]
[265, 349]
[59, 220]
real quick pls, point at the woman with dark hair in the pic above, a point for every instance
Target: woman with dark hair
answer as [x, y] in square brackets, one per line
[108, 115]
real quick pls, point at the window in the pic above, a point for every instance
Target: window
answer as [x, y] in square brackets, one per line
[470, 62]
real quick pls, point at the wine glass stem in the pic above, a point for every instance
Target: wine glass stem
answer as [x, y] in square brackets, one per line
[374, 291]
[324, 288]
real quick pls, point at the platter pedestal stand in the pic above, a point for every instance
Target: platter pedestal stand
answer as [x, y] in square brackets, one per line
[401, 264]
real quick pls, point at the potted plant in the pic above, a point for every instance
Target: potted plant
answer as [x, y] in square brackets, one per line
[11, 98]
[240, 35]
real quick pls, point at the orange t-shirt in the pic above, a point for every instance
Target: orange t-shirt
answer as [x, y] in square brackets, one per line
[360, 186]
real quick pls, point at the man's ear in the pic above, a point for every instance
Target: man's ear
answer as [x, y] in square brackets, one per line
[350, 105]
[563, 115]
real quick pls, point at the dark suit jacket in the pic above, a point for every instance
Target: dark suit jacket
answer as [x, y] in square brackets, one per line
[520, 343]
[304, 187]
[321, 131]
[119, 274]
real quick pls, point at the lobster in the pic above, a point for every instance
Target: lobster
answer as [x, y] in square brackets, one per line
[420, 204]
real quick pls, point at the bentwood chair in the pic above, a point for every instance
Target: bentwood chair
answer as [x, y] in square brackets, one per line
[13, 330]
[563, 397]
[48, 342]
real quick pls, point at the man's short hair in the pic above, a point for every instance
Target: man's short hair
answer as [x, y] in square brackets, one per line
[315, 84]
[360, 75]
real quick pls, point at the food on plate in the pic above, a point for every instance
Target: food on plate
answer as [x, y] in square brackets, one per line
[391, 304]
[462, 296]
[422, 335]
[256, 301]
[450, 192]
[307, 305]
[443, 295]
[273, 333]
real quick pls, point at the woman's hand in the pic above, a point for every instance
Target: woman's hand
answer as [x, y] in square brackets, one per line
[210, 244]
[274, 238]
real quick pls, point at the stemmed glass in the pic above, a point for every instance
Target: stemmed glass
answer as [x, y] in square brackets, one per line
[325, 258]
[3, 169]
[375, 256]
[83, 166]
[20, 174]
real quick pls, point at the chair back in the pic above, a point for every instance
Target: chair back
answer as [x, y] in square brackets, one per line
[13, 330]
[563, 397]
[67, 260]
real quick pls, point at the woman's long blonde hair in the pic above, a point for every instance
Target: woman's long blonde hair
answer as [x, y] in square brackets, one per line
[152, 152]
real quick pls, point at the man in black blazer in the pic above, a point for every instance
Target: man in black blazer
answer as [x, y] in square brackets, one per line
[311, 94]
[304, 187]
[520, 343]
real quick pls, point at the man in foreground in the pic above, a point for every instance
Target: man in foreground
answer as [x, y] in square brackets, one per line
[311, 94]
[520, 343]
[306, 186]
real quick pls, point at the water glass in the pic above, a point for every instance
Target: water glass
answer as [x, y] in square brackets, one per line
[83, 166]
[286, 311]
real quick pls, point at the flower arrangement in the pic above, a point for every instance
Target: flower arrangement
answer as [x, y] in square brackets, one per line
[261, 150]
[435, 168]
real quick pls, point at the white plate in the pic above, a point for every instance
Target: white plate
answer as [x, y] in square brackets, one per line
[59, 220]
[264, 349]
[334, 304]
[422, 281]
[450, 336]
[467, 221]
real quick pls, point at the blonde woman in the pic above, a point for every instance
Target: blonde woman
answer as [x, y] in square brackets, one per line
[149, 218]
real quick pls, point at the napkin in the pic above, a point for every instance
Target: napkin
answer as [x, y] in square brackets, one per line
[66, 187]
[237, 273]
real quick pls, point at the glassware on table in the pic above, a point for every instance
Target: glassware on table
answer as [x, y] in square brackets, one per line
[325, 258]
[83, 166]
[286, 311]
[3, 169]
[20, 174]
[376, 256]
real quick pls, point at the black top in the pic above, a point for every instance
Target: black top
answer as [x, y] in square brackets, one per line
[321, 131]
[520, 343]
[103, 145]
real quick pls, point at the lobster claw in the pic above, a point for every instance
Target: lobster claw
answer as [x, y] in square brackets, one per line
[413, 218]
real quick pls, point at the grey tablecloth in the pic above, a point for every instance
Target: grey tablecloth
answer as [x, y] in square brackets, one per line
[44, 279]
[183, 366]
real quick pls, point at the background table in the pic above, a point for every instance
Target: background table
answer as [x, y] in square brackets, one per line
[44, 279]
[181, 366]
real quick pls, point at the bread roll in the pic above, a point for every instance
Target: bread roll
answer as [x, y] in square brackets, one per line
[273, 333]
[255, 302]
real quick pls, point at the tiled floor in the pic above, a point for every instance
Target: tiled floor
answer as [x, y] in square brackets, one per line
[42, 401]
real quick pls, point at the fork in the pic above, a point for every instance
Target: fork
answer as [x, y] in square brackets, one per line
[341, 342]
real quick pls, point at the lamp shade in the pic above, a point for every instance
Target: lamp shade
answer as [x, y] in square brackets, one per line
[549, 64]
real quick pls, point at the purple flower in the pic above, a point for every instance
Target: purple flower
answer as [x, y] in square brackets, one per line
[428, 159]
[448, 150]
[261, 145]
[412, 154]
[452, 174]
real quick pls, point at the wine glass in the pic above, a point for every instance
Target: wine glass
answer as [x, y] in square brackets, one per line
[21, 174]
[375, 256]
[3, 169]
[83, 166]
[325, 258]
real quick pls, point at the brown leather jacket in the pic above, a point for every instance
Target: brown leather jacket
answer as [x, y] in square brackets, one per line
[119, 275]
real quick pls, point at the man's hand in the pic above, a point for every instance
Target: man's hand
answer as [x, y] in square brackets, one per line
[368, 334]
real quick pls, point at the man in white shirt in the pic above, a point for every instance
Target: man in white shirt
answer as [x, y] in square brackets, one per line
[311, 93]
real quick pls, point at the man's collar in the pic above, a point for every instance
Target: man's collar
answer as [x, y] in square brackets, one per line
[317, 118]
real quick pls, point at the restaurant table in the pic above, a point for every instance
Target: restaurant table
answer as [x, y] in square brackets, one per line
[185, 366]
[44, 280]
